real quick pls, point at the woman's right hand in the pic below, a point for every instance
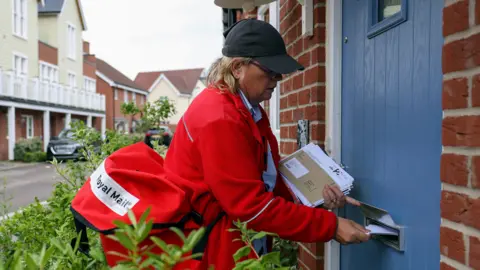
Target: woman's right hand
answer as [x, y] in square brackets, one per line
[349, 232]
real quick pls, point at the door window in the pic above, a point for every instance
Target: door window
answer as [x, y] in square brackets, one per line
[28, 120]
[384, 15]
[388, 8]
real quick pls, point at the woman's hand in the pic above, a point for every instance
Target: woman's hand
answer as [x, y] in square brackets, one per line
[349, 232]
[334, 198]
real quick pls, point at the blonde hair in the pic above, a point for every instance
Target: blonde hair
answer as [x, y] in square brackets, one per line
[220, 74]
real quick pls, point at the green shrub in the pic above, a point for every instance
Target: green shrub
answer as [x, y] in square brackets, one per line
[35, 157]
[24, 146]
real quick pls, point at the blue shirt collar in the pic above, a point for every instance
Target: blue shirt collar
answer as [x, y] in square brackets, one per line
[254, 110]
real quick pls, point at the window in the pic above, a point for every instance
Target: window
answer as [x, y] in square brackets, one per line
[384, 15]
[28, 120]
[90, 84]
[125, 96]
[20, 18]
[48, 72]
[134, 97]
[115, 93]
[72, 80]
[163, 98]
[71, 42]
[20, 64]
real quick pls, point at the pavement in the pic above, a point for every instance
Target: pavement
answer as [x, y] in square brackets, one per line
[8, 165]
[23, 182]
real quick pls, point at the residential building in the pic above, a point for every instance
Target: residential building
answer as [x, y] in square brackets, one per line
[179, 86]
[43, 86]
[391, 91]
[119, 89]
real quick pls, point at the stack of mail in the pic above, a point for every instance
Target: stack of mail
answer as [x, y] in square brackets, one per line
[308, 170]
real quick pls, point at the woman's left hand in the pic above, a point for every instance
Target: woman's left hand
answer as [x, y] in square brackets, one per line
[334, 198]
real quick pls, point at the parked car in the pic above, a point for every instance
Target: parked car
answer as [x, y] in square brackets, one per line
[63, 147]
[162, 134]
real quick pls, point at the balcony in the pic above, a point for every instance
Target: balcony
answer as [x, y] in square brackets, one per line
[20, 87]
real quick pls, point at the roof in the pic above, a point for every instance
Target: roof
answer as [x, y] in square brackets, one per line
[115, 75]
[183, 79]
[56, 7]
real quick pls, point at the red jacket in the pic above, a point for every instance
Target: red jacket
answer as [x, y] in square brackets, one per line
[220, 151]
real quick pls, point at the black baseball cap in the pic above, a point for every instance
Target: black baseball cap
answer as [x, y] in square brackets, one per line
[260, 41]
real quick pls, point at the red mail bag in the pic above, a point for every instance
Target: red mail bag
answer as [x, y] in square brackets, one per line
[134, 178]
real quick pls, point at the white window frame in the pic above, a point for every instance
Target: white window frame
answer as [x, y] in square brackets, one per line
[20, 18]
[69, 82]
[71, 41]
[24, 64]
[51, 71]
[125, 96]
[89, 84]
[274, 102]
[115, 94]
[134, 97]
[29, 119]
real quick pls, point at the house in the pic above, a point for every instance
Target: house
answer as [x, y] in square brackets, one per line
[119, 89]
[391, 91]
[179, 86]
[43, 86]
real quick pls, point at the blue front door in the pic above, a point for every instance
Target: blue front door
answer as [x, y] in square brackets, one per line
[391, 125]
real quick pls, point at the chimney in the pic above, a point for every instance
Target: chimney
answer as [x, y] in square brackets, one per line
[86, 47]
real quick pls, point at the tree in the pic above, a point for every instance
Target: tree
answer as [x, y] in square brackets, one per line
[151, 115]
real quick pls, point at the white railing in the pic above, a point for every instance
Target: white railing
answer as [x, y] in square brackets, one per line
[33, 89]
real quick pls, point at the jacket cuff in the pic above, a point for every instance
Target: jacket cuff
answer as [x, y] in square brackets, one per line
[330, 223]
[336, 228]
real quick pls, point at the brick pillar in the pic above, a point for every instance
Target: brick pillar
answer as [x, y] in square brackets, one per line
[302, 94]
[460, 162]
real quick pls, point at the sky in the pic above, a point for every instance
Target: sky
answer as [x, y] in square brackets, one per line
[149, 35]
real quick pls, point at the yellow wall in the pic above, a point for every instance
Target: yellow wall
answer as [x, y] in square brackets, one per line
[53, 31]
[48, 30]
[71, 15]
[199, 87]
[10, 43]
[164, 89]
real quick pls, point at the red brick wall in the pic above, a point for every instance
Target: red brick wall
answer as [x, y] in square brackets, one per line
[97, 123]
[20, 131]
[82, 118]
[3, 134]
[86, 47]
[302, 94]
[47, 53]
[460, 163]
[56, 123]
[89, 66]
[119, 102]
[105, 89]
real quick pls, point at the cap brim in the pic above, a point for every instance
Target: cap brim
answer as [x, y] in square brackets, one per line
[282, 64]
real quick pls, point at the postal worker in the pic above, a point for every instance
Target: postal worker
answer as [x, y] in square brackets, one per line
[225, 148]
